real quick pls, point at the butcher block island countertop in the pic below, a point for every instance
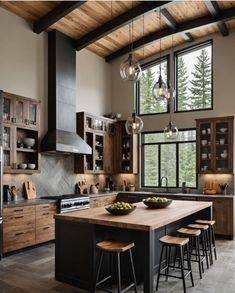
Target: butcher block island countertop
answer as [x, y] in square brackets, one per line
[142, 218]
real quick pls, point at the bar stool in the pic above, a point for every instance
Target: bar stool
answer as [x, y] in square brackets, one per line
[194, 236]
[204, 239]
[177, 242]
[211, 224]
[115, 248]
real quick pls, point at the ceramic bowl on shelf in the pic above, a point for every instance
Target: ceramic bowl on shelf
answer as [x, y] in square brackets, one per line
[204, 156]
[29, 142]
[31, 166]
[223, 129]
[204, 142]
[224, 156]
[22, 166]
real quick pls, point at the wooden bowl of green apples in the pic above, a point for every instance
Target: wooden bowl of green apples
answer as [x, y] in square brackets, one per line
[157, 202]
[121, 208]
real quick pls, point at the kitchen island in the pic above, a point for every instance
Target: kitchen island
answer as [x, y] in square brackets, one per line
[76, 257]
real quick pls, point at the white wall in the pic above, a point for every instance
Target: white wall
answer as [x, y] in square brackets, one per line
[93, 83]
[23, 60]
[23, 65]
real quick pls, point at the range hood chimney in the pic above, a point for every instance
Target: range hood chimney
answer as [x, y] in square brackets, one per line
[61, 136]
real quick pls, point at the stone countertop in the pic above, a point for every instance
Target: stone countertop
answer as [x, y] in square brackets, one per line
[151, 193]
[142, 218]
[26, 202]
[101, 194]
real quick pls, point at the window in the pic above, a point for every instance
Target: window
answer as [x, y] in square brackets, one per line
[146, 102]
[194, 78]
[175, 160]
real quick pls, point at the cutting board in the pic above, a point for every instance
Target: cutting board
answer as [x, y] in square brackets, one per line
[30, 190]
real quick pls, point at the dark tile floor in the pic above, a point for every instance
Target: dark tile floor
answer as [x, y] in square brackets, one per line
[32, 271]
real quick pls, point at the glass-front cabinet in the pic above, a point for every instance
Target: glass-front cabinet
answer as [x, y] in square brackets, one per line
[98, 132]
[21, 111]
[20, 134]
[7, 109]
[7, 145]
[215, 145]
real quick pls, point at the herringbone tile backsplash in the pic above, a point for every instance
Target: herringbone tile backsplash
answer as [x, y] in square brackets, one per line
[57, 177]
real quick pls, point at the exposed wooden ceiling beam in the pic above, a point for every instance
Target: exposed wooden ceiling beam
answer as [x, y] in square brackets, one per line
[224, 15]
[118, 22]
[56, 14]
[171, 22]
[214, 10]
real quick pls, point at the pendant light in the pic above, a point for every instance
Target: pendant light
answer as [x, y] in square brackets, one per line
[171, 131]
[130, 69]
[160, 88]
[134, 124]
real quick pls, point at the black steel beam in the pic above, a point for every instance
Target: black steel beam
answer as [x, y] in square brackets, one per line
[224, 15]
[188, 37]
[214, 10]
[118, 22]
[56, 14]
[172, 23]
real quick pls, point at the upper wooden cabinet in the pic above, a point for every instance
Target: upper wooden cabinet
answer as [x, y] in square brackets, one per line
[98, 132]
[126, 150]
[20, 120]
[22, 111]
[215, 145]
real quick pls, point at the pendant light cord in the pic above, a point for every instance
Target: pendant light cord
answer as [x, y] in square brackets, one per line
[160, 12]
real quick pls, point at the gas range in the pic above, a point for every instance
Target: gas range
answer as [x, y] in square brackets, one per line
[70, 202]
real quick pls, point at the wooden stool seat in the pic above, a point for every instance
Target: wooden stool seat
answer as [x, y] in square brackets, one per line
[171, 240]
[198, 226]
[113, 246]
[190, 232]
[206, 222]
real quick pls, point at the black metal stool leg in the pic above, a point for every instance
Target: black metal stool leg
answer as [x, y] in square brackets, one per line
[210, 244]
[133, 271]
[99, 267]
[119, 272]
[213, 241]
[199, 256]
[206, 248]
[159, 268]
[189, 264]
[182, 268]
[168, 261]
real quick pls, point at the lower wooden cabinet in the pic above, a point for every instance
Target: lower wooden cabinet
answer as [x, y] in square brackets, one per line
[45, 223]
[28, 225]
[223, 210]
[102, 201]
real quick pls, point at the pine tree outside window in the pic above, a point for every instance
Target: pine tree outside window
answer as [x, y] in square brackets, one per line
[175, 160]
[147, 103]
[194, 78]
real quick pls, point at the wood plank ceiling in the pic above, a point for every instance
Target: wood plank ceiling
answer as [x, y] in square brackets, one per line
[83, 22]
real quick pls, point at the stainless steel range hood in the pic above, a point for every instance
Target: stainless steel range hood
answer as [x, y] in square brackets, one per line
[61, 136]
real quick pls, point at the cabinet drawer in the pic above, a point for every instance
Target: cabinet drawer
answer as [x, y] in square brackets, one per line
[46, 208]
[45, 215]
[18, 211]
[19, 239]
[45, 218]
[18, 222]
[45, 233]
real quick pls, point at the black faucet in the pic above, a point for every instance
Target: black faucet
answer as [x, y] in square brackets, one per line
[166, 179]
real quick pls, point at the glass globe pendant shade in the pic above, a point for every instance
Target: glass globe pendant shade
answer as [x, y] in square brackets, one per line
[134, 124]
[130, 69]
[160, 89]
[171, 132]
